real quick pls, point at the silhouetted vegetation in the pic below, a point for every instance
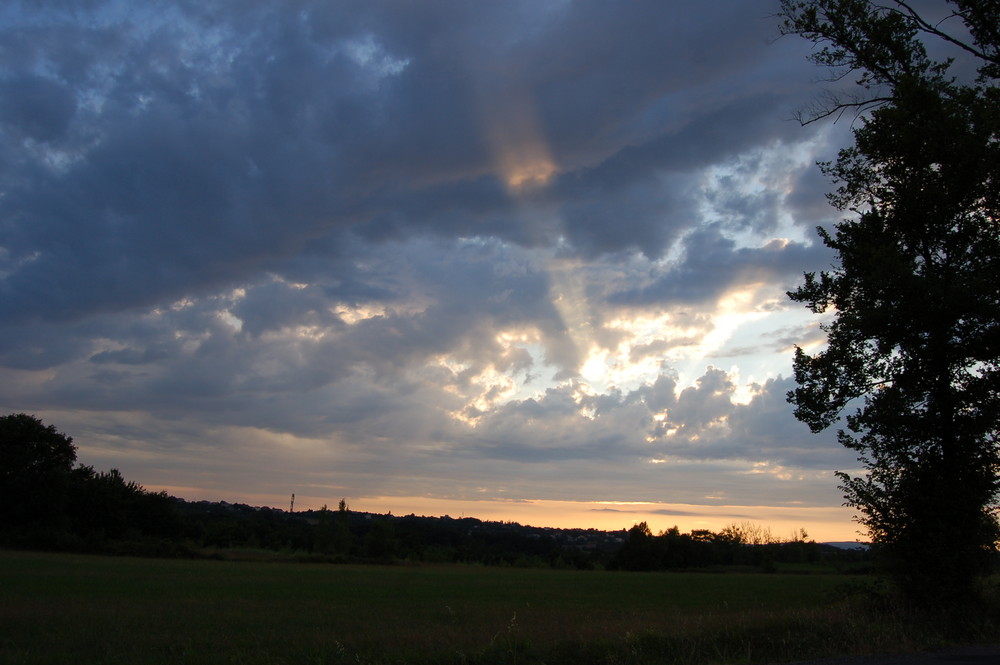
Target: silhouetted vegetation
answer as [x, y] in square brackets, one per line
[50, 504]
[344, 536]
[912, 361]
[738, 545]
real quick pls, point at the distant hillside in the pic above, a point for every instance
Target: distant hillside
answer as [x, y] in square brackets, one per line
[849, 545]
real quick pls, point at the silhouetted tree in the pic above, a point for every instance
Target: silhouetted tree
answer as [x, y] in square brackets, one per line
[913, 350]
[47, 502]
[36, 462]
[106, 506]
[380, 541]
[639, 551]
[323, 532]
[342, 537]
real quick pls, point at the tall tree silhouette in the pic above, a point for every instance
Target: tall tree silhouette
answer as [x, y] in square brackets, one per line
[36, 463]
[912, 361]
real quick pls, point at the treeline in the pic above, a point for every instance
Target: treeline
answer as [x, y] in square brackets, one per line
[49, 502]
[736, 545]
[90, 511]
[346, 536]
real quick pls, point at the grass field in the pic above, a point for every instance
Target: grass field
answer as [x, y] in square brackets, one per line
[82, 609]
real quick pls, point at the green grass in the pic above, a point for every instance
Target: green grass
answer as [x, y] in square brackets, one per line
[63, 608]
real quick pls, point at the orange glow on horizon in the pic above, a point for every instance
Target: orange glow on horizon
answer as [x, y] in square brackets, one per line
[823, 524]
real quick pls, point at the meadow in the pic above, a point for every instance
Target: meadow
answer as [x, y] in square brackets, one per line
[57, 608]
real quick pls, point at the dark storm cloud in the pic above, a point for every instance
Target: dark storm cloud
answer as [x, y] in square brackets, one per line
[261, 348]
[712, 263]
[705, 424]
[277, 305]
[182, 173]
[701, 422]
[36, 108]
[291, 237]
[645, 196]
[159, 154]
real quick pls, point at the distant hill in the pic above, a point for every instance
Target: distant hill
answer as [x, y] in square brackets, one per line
[849, 545]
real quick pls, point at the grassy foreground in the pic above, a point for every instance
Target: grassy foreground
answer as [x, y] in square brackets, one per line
[67, 608]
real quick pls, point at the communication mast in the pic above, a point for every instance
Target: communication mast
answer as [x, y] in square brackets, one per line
[291, 508]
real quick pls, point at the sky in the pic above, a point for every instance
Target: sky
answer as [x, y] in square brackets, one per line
[517, 261]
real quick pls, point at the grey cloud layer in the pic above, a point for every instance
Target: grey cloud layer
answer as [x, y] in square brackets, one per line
[151, 156]
[299, 218]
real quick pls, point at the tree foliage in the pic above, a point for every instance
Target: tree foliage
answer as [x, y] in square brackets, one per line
[36, 462]
[912, 361]
[46, 501]
[743, 544]
[29, 448]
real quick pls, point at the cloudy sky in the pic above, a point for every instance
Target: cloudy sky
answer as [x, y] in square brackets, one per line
[518, 260]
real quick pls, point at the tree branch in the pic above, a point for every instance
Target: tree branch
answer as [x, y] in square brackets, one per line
[838, 109]
[937, 32]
